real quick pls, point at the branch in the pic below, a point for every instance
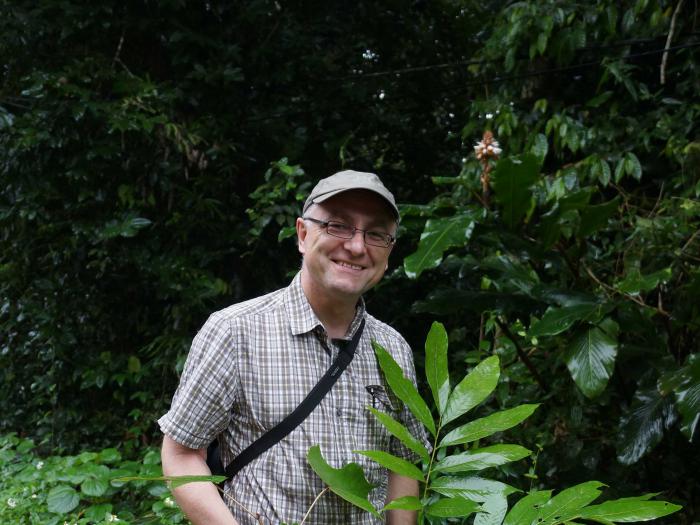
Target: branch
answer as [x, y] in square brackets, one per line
[671, 30]
[256, 516]
[633, 298]
[522, 355]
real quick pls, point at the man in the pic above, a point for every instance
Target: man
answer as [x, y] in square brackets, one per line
[252, 363]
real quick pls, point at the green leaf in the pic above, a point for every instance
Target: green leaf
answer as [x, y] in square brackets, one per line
[512, 180]
[175, 481]
[526, 509]
[438, 236]
[348, 482]
[599, 100]
[488, 425]
[620, 170]
[593, 218]
[436, 366]
[94, 487]
[633, 166]
[568, 503]
[481, 458]
[402, 433]
[97, 513]
[404, 503]
[404, 388]
[685, 385]
[540, 147]
[494, 510]
[398, 465]
[628, 510]
[635, 282]
[109, 455]
[134, 364]
[62, 499]
[642, 427]
[591, 359]
[473, 488]
[558, 320]
[452, 508]
[473, 389]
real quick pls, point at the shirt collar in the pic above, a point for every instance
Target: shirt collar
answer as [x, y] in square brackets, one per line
[302, 318]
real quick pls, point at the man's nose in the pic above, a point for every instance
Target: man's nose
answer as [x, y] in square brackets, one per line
[356, 243]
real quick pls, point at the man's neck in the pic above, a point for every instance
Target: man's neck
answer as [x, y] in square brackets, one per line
[335, 313]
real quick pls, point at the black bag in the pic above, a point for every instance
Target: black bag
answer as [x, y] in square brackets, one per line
[289, 423]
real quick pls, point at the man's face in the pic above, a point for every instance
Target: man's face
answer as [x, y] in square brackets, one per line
[344, 269]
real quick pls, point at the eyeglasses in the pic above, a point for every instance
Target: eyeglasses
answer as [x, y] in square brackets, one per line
[345, 231]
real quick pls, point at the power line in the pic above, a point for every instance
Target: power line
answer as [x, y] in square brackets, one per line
[496, 79]
[454, 65]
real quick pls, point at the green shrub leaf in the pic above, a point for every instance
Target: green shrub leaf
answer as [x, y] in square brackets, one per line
[62, 499]
[481, 458]
[642, 426]
[452, 508]
[402, 433]
[685, 385]
[568, 503]
[348, 482]
[512, 181]
[627, 510]
[558, 320]
[526, 509]
[94, 487]
[404, 388]
[591, 359]
[405, 503]
[438, 235]
[97, 512]
[473, 488]
[391, 462]
[473, 389]
[436, 365]
[486, 426]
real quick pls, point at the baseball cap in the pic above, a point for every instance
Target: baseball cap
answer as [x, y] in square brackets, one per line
[350, 180]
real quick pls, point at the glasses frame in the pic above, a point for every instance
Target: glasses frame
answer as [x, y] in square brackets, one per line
[324, 224]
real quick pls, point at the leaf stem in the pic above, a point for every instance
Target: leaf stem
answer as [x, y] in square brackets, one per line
[308, 512]
[522, 355]
[256, 516]
[432, 457]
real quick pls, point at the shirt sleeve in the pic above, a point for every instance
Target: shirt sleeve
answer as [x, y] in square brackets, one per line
[209, 385]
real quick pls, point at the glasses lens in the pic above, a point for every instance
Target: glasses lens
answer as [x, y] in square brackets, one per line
[338, 229]
[377, 239]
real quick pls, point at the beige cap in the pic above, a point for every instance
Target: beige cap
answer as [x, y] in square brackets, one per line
[350, 180]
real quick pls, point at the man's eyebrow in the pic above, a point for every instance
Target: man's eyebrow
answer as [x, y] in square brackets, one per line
[375, 224]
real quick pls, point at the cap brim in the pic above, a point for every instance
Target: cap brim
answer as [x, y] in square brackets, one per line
[326, 196]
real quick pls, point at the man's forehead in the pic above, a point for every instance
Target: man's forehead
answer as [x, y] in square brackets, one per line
[362, 202]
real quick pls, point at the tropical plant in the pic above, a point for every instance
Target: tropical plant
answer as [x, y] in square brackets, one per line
[80, 489]
[450, 473]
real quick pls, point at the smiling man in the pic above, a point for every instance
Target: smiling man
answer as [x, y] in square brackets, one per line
[252, 363]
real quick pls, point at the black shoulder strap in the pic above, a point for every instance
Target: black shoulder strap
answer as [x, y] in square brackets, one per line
[300, 413]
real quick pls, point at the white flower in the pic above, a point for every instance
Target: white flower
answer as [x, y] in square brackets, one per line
[11, 502]
[113, 517]
[34, 496]
[40, 465]
[482, 149]
[168, 502]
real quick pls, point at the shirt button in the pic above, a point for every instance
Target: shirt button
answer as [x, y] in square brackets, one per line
[338, 412]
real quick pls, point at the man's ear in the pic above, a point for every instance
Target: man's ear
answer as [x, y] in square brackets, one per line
[302, 232]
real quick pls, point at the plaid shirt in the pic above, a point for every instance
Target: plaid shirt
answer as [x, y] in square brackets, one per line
[250, 365]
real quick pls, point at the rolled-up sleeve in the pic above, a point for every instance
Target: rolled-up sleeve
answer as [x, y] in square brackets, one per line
[208, 388]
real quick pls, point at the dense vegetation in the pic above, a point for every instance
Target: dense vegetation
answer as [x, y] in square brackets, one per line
[153, 155]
